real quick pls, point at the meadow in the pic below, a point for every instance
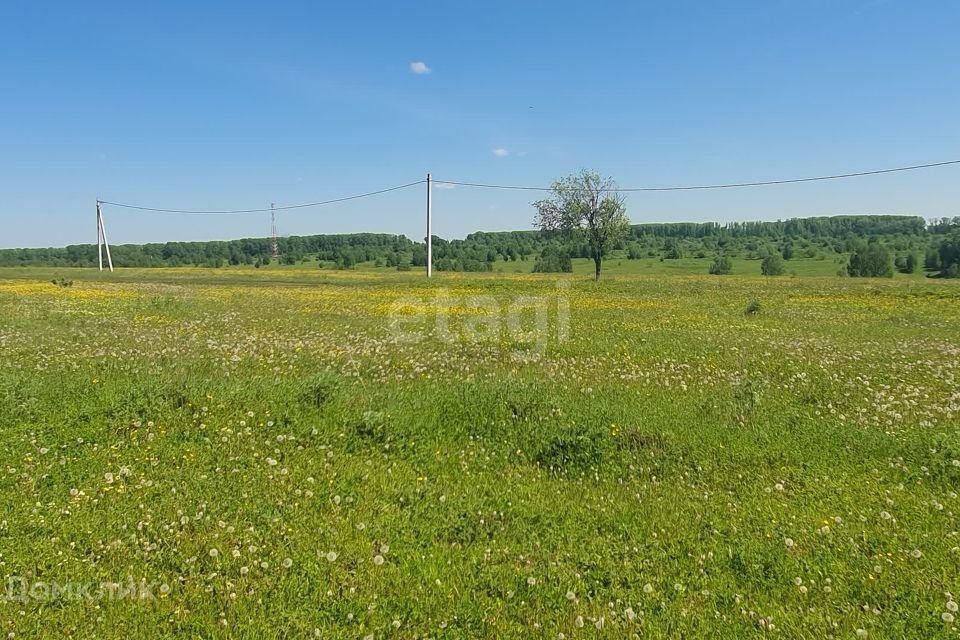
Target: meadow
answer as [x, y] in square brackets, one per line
[295, 453]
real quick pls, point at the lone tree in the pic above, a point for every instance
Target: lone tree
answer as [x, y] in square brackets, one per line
[585, 203]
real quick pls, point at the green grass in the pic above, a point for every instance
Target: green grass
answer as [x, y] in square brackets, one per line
[513, 486]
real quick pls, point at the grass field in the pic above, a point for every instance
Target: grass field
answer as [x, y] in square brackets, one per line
[311, 453]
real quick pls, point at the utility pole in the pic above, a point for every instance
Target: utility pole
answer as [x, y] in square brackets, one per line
[274, 249]
[429, 227]
[102, 241]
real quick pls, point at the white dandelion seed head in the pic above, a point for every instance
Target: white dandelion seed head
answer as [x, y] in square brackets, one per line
[331, 556]
[378, 560]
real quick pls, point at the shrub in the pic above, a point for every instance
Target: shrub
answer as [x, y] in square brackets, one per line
[753, 308]
[553, 260]
[722, 265]
[773, 265]
[949, 257]
[872, 261]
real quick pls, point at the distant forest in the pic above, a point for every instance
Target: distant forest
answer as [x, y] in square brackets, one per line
[905, 243]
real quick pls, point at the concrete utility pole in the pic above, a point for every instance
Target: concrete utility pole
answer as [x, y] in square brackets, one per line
[429, 227]
[274, 249]
[102, 241]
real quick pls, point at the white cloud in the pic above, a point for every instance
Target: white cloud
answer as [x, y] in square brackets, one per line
[420, 68]
[500, 152]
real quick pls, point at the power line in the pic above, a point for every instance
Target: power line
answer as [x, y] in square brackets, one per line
[267, 210]
[715, 186]
[525, 188]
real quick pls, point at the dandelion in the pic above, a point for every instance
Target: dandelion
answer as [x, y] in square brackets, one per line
[789, 542]
[648, 588]
[578, 622]
[861, 633]
[947, 617]
[378, 560]
[571, 596]
[287, 563]
[331, 556]
[630, 613]
[108, 477]
[916, 554]
[271, 462]
[952, 606]
[531, 581]
[361, 526]
[214, 552]
[885, 515]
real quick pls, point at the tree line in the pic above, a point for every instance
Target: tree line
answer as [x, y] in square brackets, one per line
[877, 245]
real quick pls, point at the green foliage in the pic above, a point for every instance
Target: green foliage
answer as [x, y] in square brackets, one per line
[319, 389]
[753, 308]
[721, 266]
[572, 449]
[949, 257]
[871, 261]
[553, 260]
[772, 265]
[587, 205]
[62, 282]
[673, 250]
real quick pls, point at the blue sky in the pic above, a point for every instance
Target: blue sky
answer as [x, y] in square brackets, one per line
[191, 105]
